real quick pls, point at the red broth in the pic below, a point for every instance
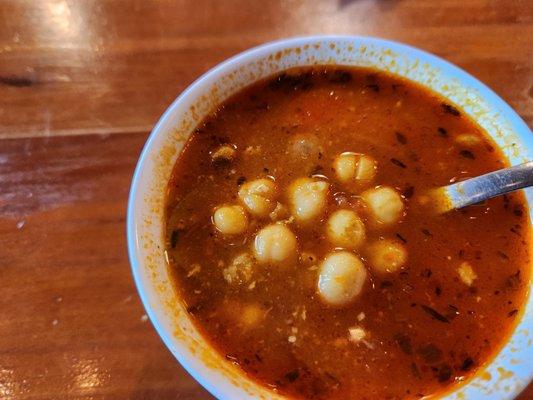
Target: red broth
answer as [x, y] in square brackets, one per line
[429, 323]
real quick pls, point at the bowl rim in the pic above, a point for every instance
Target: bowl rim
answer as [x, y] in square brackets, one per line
[135, 258]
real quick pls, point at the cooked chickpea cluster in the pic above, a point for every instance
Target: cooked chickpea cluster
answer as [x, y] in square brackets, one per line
[357, 233]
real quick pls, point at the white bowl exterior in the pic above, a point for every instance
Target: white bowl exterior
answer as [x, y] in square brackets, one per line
[506, 375]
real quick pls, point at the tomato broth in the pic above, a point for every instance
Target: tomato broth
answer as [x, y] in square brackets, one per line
[302, 240]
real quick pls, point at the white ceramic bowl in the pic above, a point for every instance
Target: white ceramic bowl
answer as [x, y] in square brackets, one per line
[503, 378]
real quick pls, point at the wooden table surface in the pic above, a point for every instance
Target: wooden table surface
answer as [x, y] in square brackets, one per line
[81, 84]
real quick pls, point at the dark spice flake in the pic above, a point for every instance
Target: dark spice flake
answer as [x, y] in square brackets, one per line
[518, 211]
[174, 238]
[426, 232]
[442, 132]
[395, 86]
[506, 201]
[467, 154]
[404, 274]
[430, 353]
[435, 314]
[385, 284]
[288, 82]
[401, 238]
[398, 163]
[502, 255]
[453, 312]
[400, 137]
[415, 371]
[513, 281]
[404, 342]
[373, 87]
[408, 192]
[467, 364]
[445, 373]
[449, 109]
[340, 77]
[292, 375]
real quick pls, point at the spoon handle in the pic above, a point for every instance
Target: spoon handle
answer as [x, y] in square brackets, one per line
[480, 188]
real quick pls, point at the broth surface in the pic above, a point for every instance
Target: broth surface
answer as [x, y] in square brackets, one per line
[408, 334]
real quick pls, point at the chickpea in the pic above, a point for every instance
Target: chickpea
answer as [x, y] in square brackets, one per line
[345, 229]
[259, 196]
[251, 315]
[341, 279]
[387, 256]
[230, 219]
[354, 168]
[344, 166]
[308, 198]
[224, 154]
[240, 270]
[305, 146]
[275, 244]
[366, 169]
[245, 315]
[384, 204]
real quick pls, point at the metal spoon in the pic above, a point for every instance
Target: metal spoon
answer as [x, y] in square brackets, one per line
[480, 188]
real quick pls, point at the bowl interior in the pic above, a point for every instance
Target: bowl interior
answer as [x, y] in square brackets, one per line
[512, 369]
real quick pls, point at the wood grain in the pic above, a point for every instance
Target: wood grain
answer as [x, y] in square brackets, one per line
[81, 85]
[72, 325]
[91, 66]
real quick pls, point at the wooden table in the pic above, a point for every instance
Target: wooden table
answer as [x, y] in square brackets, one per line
[81, 85]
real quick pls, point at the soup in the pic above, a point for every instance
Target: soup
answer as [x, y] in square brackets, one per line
[303, 242]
